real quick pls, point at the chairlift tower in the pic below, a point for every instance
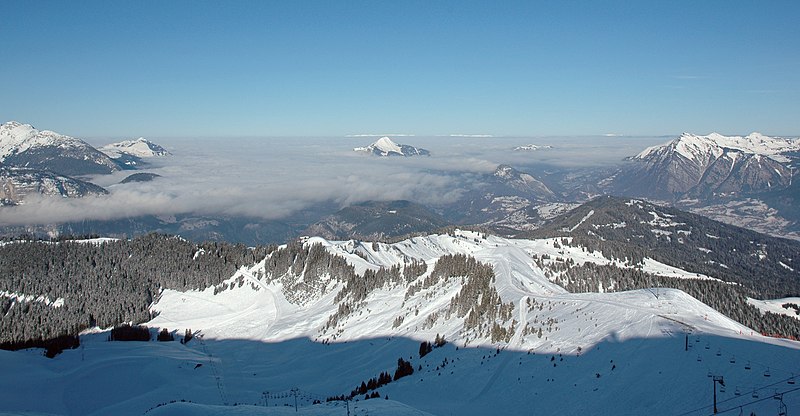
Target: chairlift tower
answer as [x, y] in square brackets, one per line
[294, 392]
[715, 380]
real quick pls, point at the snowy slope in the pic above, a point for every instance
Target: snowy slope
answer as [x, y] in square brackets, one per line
[386, 147]
[260, 311]
[23, 145]
[16, 137]
[599, 353]
[140, 147]
[776, 306]
[694, 147]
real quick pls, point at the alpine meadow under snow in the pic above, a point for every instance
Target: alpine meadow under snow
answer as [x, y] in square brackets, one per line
[476, 317]
[487, 277]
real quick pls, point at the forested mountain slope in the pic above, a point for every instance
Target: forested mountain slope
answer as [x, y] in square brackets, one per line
[102, 282]
[631, 229]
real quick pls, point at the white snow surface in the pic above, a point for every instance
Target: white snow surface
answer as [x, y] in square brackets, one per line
[140, 147]
[258, 310]
[775, 306]
[253, 345]
[695, 147]
[385, 145]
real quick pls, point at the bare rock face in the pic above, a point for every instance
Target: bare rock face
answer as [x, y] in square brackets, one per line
[736, 173]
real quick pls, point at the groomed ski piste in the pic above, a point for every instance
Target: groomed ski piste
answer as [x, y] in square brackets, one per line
[655, 351]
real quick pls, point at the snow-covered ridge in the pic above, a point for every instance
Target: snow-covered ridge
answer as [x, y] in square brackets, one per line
[140, 147]
[257, 350]
[693, 146]
[386, 147]
[16, 138]
[22, 145]
[253, 307]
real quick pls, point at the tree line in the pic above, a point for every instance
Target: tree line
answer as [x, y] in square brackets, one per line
[104, 284]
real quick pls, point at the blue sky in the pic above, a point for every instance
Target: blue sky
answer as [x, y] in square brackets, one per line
[301, 68]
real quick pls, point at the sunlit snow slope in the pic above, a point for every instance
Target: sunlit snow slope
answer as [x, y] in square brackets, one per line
[640, 352]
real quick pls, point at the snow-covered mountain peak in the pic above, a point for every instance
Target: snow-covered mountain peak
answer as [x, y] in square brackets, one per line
[386, 147]
[24, 146]
[16, 137]
[140, 147]
[711, 166]
[692, 146]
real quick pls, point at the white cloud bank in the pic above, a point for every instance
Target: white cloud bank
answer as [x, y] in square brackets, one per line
[271, 178]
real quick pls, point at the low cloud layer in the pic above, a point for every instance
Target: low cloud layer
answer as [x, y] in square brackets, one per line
[272, 178]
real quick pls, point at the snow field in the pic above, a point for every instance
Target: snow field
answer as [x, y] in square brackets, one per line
[607, 353]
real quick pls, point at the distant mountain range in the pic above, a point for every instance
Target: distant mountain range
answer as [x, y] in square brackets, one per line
[693, 166]
[742, 180]
[52, 164]
[745, 180]
[386, 147]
